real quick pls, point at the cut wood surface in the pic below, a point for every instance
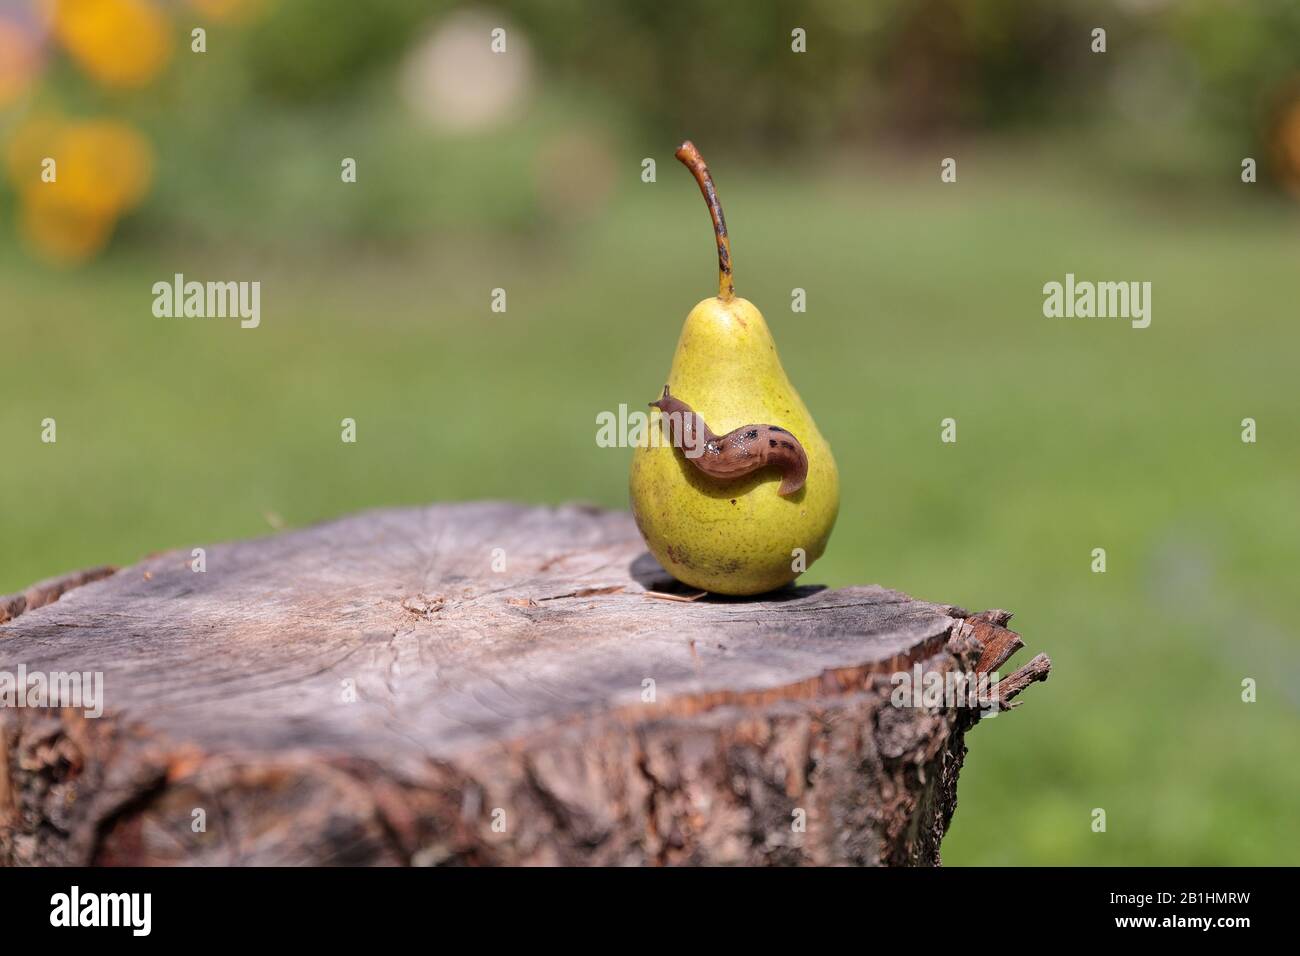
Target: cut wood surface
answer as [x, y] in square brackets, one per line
[478, 683]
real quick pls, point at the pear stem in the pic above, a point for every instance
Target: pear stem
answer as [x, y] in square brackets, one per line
[692, 160]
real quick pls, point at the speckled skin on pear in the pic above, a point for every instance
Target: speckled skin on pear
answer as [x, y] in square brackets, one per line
[732, 537]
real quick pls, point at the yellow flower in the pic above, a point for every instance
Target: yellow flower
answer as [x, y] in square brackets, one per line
[59, 231]
[102, 168]
[103, 165]
[120, 43]
[30, 143]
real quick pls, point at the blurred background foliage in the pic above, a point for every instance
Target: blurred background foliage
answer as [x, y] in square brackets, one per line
[284, 79]
[477, 170]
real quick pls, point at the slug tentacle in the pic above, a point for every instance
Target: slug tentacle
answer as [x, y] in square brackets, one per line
[737, 453]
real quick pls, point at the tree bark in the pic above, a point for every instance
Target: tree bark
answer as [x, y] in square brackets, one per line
[479, 683]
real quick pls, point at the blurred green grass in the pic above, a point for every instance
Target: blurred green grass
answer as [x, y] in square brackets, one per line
[924, 302]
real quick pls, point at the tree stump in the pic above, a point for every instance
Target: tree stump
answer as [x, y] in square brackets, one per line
[480, 683]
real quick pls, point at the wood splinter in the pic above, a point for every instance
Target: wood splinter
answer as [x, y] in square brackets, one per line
[1009, 687]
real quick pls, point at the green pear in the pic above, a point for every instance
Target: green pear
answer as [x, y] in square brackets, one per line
[731, 535]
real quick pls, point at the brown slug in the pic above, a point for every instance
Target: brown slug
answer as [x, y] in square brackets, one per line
[739, 452]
